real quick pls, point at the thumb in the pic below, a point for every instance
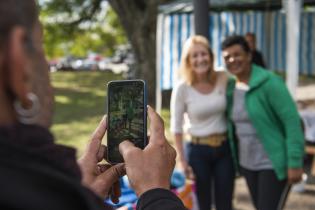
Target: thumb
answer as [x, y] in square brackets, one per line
[94, 145]
[156, 126]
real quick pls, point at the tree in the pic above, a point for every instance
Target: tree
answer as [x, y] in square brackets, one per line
[76, 33]
[138, 18]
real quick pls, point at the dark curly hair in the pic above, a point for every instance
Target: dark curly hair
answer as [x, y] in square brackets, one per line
[234, 40]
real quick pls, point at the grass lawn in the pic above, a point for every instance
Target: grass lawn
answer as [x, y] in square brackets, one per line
[80, 100]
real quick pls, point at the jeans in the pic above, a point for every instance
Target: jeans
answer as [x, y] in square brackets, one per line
[213, 168]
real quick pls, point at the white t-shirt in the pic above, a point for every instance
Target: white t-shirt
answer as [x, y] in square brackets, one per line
[205, 112]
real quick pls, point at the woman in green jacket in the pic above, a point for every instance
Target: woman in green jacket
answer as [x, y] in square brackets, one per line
[263, 126]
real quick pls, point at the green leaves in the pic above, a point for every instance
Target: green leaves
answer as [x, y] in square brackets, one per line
[77, 27]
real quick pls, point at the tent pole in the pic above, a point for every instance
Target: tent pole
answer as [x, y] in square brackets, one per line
[293, 16]
[158, 88]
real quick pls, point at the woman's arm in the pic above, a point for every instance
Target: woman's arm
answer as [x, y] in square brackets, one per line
[284, 107]
[183, 164]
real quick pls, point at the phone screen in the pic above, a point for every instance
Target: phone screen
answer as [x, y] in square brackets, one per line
[126, 116]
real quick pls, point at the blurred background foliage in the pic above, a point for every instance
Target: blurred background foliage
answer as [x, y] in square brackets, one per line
[80, 27]
[67, 32]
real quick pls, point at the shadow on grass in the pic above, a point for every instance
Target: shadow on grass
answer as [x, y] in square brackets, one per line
[77, 105]
[80, 95]
[83, 78]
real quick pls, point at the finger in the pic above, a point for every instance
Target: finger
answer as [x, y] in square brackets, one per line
[156, 125]
[113, 173]
[101, 128]
[294, 180]
[125, 147]
[102, 152]
[102, 168]
[290, 181]
[96, 139]
[191, 173]
[106, 180]
[116, 192]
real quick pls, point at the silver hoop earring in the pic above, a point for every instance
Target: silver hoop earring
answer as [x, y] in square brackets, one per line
[28, 116]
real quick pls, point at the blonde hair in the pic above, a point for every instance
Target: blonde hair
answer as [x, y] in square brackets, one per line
[185, 68]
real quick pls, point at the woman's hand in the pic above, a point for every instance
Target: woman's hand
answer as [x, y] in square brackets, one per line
[187, 169]
[294, 175]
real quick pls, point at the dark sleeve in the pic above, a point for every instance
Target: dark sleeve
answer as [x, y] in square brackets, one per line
[159, 199]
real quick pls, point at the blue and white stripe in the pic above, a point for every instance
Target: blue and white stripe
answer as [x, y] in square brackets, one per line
[269, 27]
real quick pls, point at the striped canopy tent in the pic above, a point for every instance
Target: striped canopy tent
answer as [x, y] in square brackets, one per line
[267, 19]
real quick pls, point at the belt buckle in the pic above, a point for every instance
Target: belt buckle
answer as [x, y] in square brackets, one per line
[214, 142]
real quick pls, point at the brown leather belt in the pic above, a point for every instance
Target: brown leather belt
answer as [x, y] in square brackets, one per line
[213, 140]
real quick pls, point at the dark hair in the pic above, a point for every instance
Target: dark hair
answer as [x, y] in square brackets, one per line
[251, 34]
[16, 13]
[235, 40]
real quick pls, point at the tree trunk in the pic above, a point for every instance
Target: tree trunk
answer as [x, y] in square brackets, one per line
[139, 18]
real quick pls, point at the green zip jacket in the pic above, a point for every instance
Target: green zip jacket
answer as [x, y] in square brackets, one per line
[274, 115]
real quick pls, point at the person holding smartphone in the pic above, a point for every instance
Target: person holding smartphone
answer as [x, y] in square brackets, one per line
[265, 129]
[201, 95]
[38, 174]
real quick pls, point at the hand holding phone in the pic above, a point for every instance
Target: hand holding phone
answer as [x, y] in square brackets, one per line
[102, 179]
[151, 167]
[127, 118]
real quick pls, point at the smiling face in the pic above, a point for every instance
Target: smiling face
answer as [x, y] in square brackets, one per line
[237, 61]
[199, 59]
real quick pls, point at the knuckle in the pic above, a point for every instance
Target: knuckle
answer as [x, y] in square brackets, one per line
[161, 122]
[161, 119]
[173, 152]
[118, 172]
[159, 127]
[128, 154]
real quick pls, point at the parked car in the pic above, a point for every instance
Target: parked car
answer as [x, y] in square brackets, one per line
[53, 65]
[104, 64]
[65, 63]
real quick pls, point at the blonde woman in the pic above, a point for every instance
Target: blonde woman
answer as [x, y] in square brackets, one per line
[201, 95]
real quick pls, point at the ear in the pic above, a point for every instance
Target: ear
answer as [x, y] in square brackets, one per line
[19, 66]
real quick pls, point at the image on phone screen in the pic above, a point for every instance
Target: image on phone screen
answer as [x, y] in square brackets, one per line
[126, 116]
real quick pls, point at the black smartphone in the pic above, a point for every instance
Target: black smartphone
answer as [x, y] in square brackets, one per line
[126, 116]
